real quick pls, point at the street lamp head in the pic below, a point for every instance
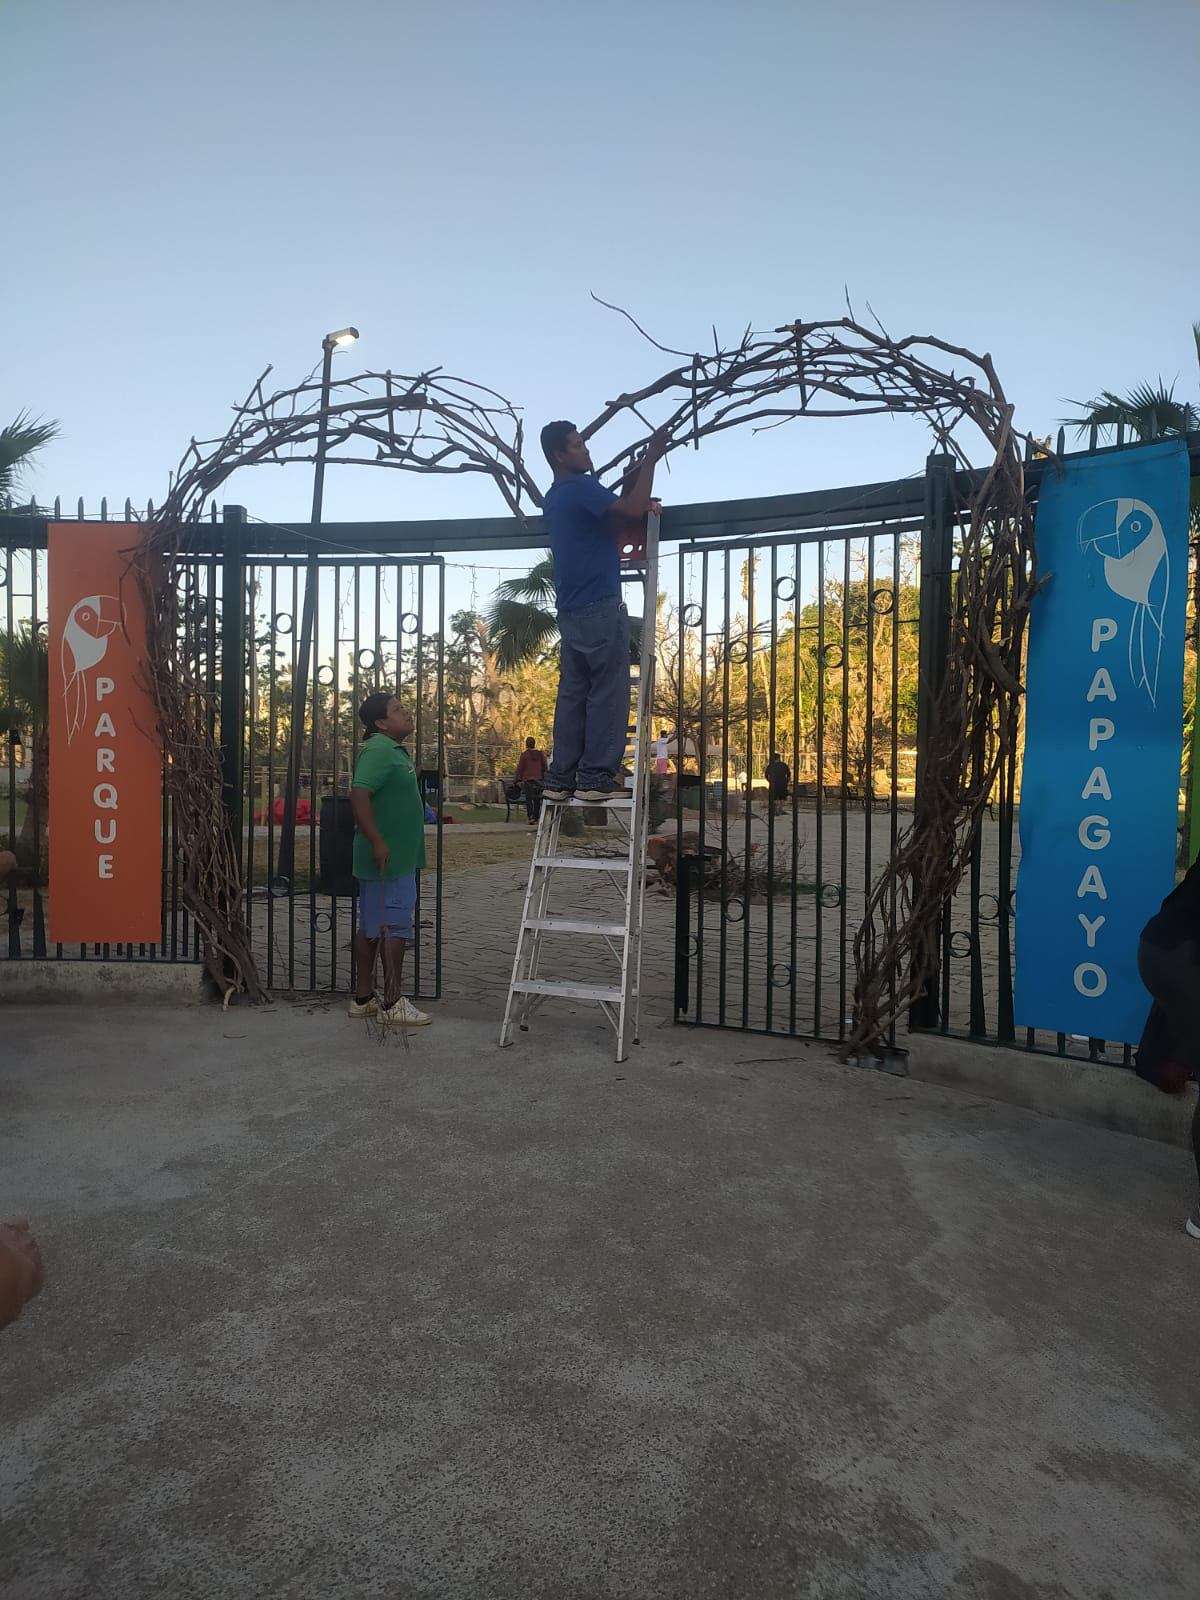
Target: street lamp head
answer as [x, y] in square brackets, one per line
[340, 339]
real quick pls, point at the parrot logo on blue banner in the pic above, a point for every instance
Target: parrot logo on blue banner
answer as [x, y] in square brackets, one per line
[1137, 567]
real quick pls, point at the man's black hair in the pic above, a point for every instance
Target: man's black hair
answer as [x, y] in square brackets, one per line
[531, 744]
[554, 439]
[373, 710]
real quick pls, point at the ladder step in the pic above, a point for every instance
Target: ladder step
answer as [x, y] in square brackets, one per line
[571, 991]
[617, 802]
[585, 863]
[610, 930]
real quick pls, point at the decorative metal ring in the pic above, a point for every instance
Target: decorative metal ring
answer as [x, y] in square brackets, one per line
[831, 655]
[277, 622]
[994, 914]
[737, 652]
[321, 671]
[962, 943]
[883, 602]
[781, 975]
[409, 622]
[322, 921]
[830, 895]
[280, 887]
[693, 944]
[3, 578]
[777, 588]
[366, 666]
[692, 615]
[727, 909]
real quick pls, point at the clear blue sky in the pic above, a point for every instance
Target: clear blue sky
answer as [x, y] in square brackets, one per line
[194, 192]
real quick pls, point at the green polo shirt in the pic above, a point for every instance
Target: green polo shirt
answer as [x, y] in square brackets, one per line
[385, 770]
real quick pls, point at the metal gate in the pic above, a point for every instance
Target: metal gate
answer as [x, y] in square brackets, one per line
[797, 652]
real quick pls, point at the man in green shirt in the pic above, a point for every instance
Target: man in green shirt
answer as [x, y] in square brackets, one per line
[389, 850]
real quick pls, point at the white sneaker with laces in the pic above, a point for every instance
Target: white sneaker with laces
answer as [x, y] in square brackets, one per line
[369, 1008]
[403, 1014]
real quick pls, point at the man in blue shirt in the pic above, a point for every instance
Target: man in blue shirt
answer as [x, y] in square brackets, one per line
[585, 522]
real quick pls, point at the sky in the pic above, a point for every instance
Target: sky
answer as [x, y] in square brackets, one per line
[197, 192]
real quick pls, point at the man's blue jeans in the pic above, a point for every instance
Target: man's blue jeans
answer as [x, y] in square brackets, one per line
[591, 716]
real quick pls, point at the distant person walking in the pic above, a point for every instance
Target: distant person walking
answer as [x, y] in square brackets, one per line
[1169, 966]
[531, 770]
[584, 521]
[389, 850]
[778, 777]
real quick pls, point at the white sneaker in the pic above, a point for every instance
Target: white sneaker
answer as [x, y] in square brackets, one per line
[369, 1008]
[403, 1014]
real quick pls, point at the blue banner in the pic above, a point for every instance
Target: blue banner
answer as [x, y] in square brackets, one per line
[1103, 736]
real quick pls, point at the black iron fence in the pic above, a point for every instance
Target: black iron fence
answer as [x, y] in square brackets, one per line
[805, 627]
[816, 653]
[275, 640]
[791, 671]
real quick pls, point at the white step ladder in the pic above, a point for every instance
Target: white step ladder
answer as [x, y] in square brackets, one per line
[616, 925]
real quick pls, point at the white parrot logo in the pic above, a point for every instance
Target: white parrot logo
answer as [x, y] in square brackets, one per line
[84, 643]
[1129, 536]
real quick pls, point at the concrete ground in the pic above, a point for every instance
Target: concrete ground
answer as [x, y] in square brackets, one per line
[336, 1317]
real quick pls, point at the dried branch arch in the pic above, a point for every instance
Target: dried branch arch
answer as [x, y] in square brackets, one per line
[435, 423]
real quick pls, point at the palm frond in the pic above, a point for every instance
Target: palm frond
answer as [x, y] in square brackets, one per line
[535, 587]
[1143, 410]
[519, 632]
[18, 442]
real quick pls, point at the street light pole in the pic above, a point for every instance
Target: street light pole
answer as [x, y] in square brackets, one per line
[286, 868]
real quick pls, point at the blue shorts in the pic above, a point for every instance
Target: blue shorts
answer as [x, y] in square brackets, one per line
[385, 906]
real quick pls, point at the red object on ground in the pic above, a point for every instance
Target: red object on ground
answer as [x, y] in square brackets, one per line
[303, 811]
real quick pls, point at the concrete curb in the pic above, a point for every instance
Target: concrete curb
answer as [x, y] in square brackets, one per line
[1077, 1091]
[139, 983]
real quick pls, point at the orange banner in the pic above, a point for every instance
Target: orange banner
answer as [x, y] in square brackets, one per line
[105, 760]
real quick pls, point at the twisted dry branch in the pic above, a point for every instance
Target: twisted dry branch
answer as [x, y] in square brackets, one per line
[439, 424]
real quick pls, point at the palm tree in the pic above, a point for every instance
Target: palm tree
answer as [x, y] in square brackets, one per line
[521, 626]
[19, 442]
[24, 655]
[1147, 411]
[25, 711]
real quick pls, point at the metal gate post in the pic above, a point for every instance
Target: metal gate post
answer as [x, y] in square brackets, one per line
[937, 604]
[233, 674]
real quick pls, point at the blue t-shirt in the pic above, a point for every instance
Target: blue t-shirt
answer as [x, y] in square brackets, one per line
[587, 556]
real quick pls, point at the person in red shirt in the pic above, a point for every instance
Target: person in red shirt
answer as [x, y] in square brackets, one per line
[531, 770]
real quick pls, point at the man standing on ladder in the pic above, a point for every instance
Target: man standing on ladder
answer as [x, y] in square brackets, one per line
[585, 522]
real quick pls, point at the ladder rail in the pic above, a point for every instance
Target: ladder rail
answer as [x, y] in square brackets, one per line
[639, 825]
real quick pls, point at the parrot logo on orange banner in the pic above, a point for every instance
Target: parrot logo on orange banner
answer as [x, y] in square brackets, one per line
[85, 637]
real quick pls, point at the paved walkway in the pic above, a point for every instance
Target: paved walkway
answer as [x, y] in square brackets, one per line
[337, 1318]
